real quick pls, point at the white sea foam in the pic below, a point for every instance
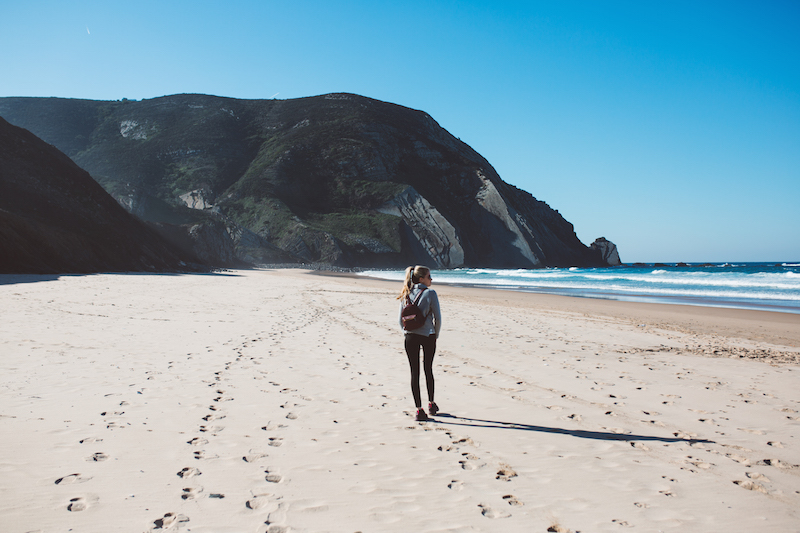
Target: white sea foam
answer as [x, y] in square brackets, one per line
[729, 285]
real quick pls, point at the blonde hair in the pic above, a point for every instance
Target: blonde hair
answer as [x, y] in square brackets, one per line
[413, 275]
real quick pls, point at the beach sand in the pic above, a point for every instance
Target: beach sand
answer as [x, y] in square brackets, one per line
[269, 401]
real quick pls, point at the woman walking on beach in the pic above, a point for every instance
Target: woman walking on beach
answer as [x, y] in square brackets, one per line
[416, 290]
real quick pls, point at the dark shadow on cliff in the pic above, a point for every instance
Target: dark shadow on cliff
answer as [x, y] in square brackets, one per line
[444, 418]
[14, 279]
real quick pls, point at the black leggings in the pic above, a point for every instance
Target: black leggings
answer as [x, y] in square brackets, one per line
[428, 344]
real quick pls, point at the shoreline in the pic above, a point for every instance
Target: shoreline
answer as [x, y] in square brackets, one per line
[773, 327]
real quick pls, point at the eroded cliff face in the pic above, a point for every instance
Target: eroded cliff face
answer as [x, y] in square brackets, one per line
[338, 178]
[495, 205]
[434, 234]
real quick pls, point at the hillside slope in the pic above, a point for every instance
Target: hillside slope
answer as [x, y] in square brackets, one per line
[54, 218]
[337, 178]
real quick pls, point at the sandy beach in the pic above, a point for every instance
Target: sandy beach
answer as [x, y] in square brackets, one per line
[278, 401]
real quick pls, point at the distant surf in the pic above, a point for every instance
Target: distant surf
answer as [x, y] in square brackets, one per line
[761, 286]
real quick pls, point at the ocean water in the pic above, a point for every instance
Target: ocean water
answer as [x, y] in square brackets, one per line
[763, 286]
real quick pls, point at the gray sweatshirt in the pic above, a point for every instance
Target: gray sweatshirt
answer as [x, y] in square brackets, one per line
[428, 302]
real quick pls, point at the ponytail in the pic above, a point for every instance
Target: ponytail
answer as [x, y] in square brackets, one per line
[413, 275]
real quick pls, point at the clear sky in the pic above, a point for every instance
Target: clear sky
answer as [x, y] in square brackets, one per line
[670, 128]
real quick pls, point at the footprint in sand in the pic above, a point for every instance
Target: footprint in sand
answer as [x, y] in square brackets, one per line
[505, 473]
[89, 440]
[253, 456]
[201, 454]
[189, 472]
[756, 475]
[275, 528]
[72, 478]
[777, 463]
[699, 463]
[467, 465]
[98, 457]
[272, 477]
[169, 520]
[275, 441]
[751, 485]
[275, 518]
[258, 501]
[456, 485]
[512, 500]
[197, 441]
[77, 504]
[738, 458]
[191, 493]
[488, 512]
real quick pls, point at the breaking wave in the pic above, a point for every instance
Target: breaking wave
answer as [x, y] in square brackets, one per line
[748, 285]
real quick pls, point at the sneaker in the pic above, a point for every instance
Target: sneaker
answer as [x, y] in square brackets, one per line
[433, 408]
[421, 416]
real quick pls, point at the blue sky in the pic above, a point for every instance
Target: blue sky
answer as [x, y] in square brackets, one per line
[670, 128]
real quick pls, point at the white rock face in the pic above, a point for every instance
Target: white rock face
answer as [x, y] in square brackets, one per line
[196, 200]
[432, 229]
[130, 129]
[489, 198]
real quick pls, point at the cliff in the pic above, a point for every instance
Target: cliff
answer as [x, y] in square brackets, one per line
[54, 218]
[337, 178]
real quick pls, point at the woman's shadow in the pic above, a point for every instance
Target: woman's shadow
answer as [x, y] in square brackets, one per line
[446, 418]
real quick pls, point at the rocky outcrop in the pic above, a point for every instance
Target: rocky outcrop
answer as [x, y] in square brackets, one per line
[337, 178]
[55, 219]
[494, 205]
[607, 250]
[196, 199]
[436, 237]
